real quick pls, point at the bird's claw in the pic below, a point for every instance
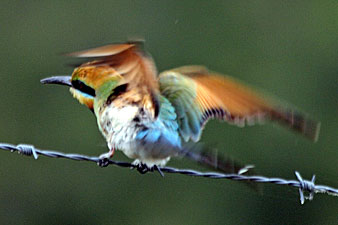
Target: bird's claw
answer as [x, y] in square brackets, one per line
[143, 168]
[104, 158]
[103, 162]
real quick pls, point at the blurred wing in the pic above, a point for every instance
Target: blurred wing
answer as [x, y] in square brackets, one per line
[199, 95]
[102, 51]
[134, 65]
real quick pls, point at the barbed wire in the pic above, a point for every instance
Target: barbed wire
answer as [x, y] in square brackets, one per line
[303, 185]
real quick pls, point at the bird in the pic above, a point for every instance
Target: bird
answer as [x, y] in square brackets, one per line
[151, 116]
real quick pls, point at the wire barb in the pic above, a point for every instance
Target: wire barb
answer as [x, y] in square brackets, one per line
[27, 150]
[300, 183]
[306, 185]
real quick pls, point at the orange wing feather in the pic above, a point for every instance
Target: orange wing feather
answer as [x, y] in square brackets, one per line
[216, 92]
[133, 64]
[222, 97]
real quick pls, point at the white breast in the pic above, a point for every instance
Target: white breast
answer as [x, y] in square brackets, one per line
[119, 127]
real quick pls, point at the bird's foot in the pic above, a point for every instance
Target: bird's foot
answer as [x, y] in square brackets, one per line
[104, 158]
[143, 168]
[103, 162]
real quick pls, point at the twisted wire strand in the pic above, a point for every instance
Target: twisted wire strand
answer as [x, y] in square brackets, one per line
[303, 185]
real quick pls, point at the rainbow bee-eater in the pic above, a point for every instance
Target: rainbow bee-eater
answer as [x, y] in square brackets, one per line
[150, 116]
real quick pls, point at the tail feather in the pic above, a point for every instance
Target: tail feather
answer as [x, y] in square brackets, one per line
[219, 162]
[297, 122]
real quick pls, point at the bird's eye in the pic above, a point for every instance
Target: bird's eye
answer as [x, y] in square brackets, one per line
[79, 85]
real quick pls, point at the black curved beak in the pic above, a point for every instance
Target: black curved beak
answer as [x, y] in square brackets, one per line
[63, 80]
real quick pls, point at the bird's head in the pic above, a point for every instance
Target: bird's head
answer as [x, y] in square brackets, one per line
[89, 82]
[113, 70]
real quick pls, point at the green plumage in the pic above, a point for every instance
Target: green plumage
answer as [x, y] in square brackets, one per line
[181, 92]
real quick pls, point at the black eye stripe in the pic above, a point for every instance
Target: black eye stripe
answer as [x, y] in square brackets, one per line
[117, 92]
[79, 85]
[120, 90]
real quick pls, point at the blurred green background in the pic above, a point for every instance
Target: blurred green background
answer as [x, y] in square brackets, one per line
[287, 48]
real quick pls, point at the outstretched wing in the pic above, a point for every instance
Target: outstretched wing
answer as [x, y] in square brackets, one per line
[199, 95]
[135, 66]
